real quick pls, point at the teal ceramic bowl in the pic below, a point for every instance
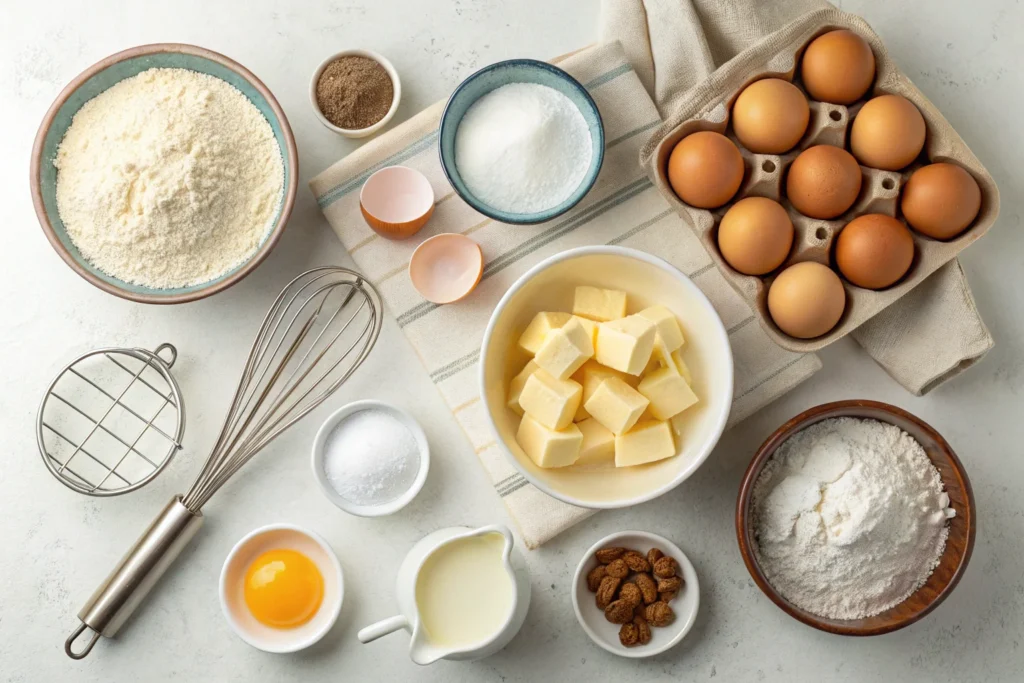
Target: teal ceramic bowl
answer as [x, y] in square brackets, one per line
[105, 74]
[518, 71]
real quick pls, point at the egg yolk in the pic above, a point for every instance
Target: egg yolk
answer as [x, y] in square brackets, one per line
[283, 588]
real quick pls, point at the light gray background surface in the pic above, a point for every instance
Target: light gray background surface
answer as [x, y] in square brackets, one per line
[56, 545]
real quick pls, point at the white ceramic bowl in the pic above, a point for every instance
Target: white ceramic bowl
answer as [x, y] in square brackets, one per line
[605, 633]
[647, 280]
[321, 475]
[232, 597]
[360, 132]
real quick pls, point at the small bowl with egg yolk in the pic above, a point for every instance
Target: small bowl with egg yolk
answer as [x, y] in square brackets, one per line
[281, 588]
[647, 281]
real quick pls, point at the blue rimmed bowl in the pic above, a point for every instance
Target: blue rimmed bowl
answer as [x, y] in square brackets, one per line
[518, 71]
[98, 78]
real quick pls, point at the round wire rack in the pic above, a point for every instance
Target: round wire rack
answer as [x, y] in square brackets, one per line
[111, 420]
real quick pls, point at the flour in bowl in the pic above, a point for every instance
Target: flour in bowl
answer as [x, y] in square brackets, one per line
[850, 518]
[170, 178]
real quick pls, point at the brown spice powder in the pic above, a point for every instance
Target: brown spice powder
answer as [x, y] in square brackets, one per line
[354, 92]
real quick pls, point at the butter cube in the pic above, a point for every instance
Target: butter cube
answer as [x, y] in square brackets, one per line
[668, 393]
[590, 326]
[625, 345]
[599, 304]
[680, 365]
[661, 357]
[616, 405]
[547, 447]
[668, 326]
[598, 443]
[549, 400]
[515, 387]
[565, 349]
[537, 331]
[647, 442]
[593, 373]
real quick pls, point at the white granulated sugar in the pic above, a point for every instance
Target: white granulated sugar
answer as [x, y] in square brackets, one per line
[523, 148]
[371, 458]
[169, 178]
[850, 517]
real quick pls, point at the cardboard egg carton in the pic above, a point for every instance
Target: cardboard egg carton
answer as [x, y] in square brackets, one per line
[707, 107]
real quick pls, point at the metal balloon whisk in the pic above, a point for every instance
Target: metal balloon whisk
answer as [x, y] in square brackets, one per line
[320, 329]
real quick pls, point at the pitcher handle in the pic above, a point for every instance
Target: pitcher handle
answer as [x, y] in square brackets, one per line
[382, 628]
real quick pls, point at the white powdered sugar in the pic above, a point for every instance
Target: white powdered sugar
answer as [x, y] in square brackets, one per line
[523, 148]
[371, 458]
[169, 178]
[850, 518]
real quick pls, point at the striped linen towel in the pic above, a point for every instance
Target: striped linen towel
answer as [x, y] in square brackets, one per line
[622, 208]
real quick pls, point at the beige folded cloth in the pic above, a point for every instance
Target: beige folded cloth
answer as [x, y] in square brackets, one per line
[622, 208]
[922, 340]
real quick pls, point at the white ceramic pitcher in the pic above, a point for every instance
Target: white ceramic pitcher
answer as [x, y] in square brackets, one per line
[421, 650]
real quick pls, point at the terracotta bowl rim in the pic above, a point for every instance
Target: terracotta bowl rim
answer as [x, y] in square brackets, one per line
[745, 532]
[289, 152]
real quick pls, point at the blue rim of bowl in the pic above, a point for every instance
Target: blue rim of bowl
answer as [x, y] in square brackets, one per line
[578, 194]
[289, 155]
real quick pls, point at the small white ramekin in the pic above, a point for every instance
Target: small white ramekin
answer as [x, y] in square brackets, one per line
[606, 634]
[359, 132]
[321, 474]
[232, 576]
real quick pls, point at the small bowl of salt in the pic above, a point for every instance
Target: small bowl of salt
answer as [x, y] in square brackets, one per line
[370, 458]
[521, 141]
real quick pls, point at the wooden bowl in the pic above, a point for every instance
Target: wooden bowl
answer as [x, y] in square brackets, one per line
[959, 545]
[98, 78]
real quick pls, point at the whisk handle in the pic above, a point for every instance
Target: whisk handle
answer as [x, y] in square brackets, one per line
[136, 574]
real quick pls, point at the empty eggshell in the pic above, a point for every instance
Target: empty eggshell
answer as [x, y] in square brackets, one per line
[755, 235]
[874, 251]
[770, 116]
[806, 300]
[823, 181]
[838, 67]
[888, 133]
[941, 200]
[705, 169]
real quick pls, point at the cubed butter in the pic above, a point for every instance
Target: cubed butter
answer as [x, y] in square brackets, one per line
[668, 326]
[565, 349]
[680, 366]
[590, 326]
[598, 443]
[537, 331]
[616, 405]
[647, 442]
[549, 400]
[599, 304]
[625, 345]
[668, 393]
[547, 447]
[515, 387]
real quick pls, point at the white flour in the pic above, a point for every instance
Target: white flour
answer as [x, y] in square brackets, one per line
[523, 148]
[371, 458]
[850, 517]
[168, 179]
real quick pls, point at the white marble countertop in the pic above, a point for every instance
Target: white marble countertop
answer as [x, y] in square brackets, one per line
[57, 545]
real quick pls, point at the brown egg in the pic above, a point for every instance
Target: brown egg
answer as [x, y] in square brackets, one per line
[770, 116]
[705, 169]
[755, 235]
[806, 300]
[838, 67]
[941, 200]
[823, 181]
[874, 251]
[888, 133]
